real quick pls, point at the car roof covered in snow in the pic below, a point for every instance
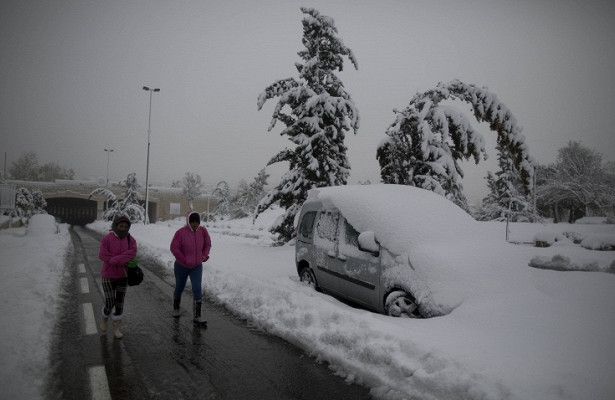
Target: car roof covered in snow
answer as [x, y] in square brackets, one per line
[397, 214]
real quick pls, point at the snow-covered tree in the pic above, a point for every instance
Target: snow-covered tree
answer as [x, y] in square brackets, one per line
[28, 203]
[428, 139]
[245, 201]
[222, 194]
[27, 168]
[578, 183]
[130, 205]
[240, 200]
[317, 113]
[506, 199]
[191, 187]
[23, 202]
[38, 202]
[51, 171]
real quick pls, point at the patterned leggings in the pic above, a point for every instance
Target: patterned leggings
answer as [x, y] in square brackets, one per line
[115, 291]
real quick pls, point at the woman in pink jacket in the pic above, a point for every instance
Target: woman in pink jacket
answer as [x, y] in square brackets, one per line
[116, 249]
[190, 246]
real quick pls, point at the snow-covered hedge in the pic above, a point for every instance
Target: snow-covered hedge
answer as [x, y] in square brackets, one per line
[563, 263]
[547, 239]
[599, 242]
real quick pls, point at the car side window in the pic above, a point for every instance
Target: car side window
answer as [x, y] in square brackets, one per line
[307, 224]
[326, 226]
[349, 246]
[351, 237]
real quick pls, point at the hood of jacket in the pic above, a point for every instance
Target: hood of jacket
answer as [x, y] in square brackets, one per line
[116, 221]
[189, 213]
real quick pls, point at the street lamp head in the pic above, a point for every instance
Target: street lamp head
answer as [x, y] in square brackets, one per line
[151, 90]
[157, 90]
[145, 88]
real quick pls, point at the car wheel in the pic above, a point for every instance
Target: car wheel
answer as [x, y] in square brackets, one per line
[307, 277]
[401, 304]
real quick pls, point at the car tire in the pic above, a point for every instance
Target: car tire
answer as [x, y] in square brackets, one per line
[307, 276]
[399, 303]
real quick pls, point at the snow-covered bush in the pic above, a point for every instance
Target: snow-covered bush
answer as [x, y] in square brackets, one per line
[575, 237]
[557, 263]
[563, 263]
[42, 224]
[129, 205]
[547, 239]
[599, 242]
[28, 203]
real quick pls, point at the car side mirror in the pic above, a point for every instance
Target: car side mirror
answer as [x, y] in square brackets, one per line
[368, 243]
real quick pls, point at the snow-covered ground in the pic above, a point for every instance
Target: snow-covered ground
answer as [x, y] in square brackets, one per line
[32, 265]
[554, 340]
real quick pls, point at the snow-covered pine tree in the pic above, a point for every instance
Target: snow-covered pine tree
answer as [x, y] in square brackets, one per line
[428, 139]
[317, 112]
[191, 187]
[129, 205]
[506, 199]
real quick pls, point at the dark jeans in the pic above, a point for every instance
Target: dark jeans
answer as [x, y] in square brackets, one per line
[181, 277]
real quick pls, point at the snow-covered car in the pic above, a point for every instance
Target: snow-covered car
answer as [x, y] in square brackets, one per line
[393, 249]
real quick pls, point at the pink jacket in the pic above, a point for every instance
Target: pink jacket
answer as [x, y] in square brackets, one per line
[189, 247]
[115, 253]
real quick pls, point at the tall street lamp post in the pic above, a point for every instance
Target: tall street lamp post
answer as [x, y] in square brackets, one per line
[108, 154]
[149, 124]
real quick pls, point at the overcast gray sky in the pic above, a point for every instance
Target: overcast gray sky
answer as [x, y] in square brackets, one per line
[72, 74]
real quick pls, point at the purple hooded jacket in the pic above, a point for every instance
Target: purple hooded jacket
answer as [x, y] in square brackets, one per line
[189, 247]
[115, 252]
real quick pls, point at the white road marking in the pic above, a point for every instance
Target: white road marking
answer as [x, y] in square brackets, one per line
[85, 288]
[99, 384]
[88, 318]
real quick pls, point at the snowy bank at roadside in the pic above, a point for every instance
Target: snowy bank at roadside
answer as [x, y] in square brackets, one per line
[32, 263]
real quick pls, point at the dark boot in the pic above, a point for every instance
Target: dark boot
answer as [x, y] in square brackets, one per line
[176, 312]
[197, 314]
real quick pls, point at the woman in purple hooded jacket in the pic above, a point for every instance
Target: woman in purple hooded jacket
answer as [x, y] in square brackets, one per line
[116, 249]
[190, 246]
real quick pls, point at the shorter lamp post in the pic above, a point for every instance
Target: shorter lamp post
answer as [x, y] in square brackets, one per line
[149, 124]
[107, 181]
[109, 151]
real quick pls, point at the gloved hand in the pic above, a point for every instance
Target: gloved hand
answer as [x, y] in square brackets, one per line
[132, 263]
[205, 258]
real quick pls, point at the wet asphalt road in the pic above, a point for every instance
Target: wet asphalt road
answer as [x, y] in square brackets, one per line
[161, 357]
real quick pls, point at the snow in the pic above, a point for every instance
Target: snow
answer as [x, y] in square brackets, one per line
[518, 333]
[32, 266]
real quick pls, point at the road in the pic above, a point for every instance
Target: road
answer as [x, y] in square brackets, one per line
[161, 357]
